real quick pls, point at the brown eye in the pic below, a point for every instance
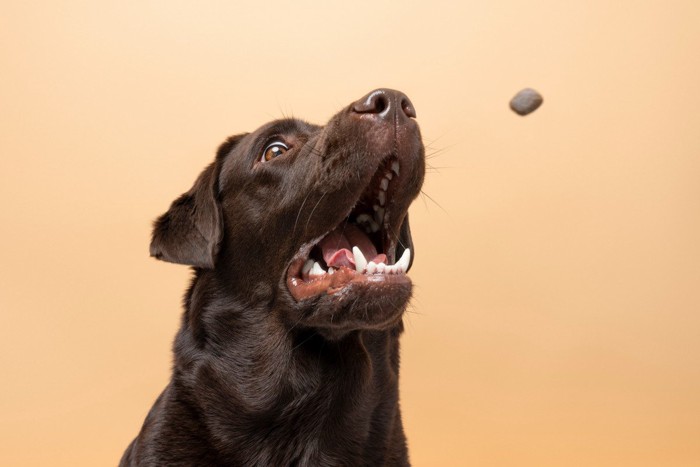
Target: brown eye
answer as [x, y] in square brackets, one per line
[273, 150]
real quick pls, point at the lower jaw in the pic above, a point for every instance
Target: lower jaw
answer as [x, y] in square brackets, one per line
[331, 284]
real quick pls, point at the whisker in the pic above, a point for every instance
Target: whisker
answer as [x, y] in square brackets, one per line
[436, 203]
[429, 142]
[440, 167]
[299, 213]
[304, 341]
[438, 152]
[313, 210]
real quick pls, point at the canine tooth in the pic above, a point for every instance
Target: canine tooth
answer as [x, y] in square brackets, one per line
[381, 267]
[317, 270]
[395, 167]
[307, 266]
[382, 197]
[360, 261]
[371, 267]
[384, 184]
[402, 264]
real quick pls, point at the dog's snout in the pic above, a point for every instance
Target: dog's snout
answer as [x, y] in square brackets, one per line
[386, 104]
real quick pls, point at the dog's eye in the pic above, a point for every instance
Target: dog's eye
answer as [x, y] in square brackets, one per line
[273, 150]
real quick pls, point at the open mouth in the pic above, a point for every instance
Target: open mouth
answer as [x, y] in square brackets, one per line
[362, 248]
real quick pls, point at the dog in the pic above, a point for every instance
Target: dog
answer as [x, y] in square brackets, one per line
[288, 350]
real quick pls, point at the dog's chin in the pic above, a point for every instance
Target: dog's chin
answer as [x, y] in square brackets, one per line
[362, 303]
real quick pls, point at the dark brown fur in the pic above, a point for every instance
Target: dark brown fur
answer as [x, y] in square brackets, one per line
[259, 378]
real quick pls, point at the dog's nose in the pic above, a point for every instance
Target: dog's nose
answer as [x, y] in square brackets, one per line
[385, 104]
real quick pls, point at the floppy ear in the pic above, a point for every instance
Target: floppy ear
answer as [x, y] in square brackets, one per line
[190, 232]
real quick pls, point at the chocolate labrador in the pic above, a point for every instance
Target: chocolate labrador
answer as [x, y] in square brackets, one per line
[288, 351]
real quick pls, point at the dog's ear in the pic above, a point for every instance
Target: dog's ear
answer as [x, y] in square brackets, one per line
[191, 230]
[405, 241]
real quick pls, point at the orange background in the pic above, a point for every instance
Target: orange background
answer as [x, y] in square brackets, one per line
[556, 319]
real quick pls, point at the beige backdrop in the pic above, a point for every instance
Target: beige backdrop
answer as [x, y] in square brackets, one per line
[556, 319]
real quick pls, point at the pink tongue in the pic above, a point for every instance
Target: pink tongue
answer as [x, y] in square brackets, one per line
[336, 247]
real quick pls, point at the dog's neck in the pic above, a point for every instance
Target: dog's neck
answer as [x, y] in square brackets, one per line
[255, 381]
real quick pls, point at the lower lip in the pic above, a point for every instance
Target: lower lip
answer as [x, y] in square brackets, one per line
[333, 283]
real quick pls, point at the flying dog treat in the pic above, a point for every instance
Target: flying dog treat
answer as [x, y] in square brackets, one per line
[526, 101]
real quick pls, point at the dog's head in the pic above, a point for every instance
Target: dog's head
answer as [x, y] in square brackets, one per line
[311, 220]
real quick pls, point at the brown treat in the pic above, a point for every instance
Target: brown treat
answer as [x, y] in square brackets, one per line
[526, 101]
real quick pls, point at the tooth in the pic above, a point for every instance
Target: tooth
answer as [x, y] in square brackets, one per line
[395, 167]
[307, 266]
[390, 269]
[382, 198]
[367, 222]
[317, 270]
[381, 267]
[364, 219]
[389, 175]
[402, 264]
[371, 267]
[331, 270]
[384, 184]
[379, 216]
[360, 261]
[375, 207]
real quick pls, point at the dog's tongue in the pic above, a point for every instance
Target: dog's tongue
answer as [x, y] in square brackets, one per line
[336, 247]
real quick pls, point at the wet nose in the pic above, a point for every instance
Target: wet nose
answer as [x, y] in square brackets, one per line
[386, 104]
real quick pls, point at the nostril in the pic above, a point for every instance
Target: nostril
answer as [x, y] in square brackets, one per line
[374, 103]
[385, 104]
[380, 103]
[407, 107]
